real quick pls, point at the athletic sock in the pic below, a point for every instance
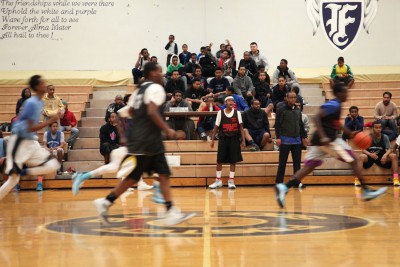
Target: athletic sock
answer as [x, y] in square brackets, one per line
[111, 197]
[291, 182]
[231, 175]
[168, 205]
[395, 175]
[219, 174]
[40, 179]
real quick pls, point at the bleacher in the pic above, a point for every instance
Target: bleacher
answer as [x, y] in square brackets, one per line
[197, 159]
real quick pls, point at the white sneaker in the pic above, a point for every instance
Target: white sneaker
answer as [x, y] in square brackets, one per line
[231, 184]
[217, 183]
[174, 216]
[143, 186]
[102, 205]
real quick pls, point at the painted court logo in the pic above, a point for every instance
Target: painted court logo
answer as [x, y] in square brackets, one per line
[217, 224]
[341, 19]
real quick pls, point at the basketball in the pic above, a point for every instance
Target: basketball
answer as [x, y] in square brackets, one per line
[362, 140]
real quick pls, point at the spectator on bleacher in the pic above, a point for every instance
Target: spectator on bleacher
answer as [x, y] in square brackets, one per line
[171, 47]
[283, 70]
[257, 57]
[207, 123]
[219, 52]
[386, 113]
[195, 94]
[249, 63]
[299, 99]
[243, 85]
[260, 69]
[25, 94]
[279, 91]
[256, 126]
[53, 141]
[177, 66]
[263, 92]
[289, 130]
[184, 56]
[154, 59]
[379, 153]
[68, 123]
[238, 102]
[199, 75]
[202, 53]
[341, 73]
[218, 84]
[114, 107]
[143, 58]
[109, 137]
[190, 67]
[174, 84]
[52, 104]
[180, 123]
[229, 47]
[226, 63]
[208, 63]
[353, 121]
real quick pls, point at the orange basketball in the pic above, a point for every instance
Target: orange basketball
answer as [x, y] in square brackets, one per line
[362, 140]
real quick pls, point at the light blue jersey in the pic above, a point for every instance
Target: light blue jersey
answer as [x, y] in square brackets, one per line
[31, 112]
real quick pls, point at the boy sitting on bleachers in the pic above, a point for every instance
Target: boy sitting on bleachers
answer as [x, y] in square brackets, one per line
[53, 141]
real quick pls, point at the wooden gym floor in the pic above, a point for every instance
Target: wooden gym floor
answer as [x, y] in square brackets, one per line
[321, 226]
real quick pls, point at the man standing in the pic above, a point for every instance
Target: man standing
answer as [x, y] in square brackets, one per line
[52, 104]
[386, 112]
[290, 134]
[145, 144]
[257, 57]
[171, 47]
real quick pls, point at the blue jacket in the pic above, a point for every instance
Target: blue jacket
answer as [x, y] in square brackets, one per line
[240, 103]
[357, 124]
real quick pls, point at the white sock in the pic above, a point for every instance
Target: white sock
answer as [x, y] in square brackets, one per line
[219, 174]
[231, 175]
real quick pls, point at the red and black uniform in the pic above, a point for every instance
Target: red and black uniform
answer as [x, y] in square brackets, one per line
[229, 150]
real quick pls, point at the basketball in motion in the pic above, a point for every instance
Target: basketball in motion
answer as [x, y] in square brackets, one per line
[362, 140]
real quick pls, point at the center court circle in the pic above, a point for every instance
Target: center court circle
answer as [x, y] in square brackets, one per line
[217, 224]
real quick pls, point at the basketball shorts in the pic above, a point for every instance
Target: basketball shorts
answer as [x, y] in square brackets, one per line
[229, 150]
[371, 161]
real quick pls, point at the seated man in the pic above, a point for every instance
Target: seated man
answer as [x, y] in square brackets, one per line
[180, 123]
[218, 84]
[174, 84]
[68, 123]
[386, 112]
[190, 67]
[284, 71]
[195, 94]
[341, 73]
[256, 126]
[143, 58]
[249, 64]
[52, 104]
[207, 123]
[243, 85]
[263, 92]
[175, 65]
[261, 69]
[53, 141]
[279, 92]
[199, 75]
[379, 153]
[353, 121]
[109, 137]
[185, 56]
[114, 107]
[238, 102]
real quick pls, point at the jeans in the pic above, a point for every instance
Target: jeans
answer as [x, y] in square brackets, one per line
[391, 124]
[74, 135]
[204, 126]
[284, 150]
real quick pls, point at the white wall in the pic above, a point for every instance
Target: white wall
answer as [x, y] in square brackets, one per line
[112, 38]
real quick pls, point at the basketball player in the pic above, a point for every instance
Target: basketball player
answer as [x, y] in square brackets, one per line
[324, 141]
[23, 147]
[145, 146]
[230, 128]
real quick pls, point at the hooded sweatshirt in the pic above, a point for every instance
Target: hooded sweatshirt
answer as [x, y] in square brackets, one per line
[52, 105]
[172, 67]
[288, 74]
